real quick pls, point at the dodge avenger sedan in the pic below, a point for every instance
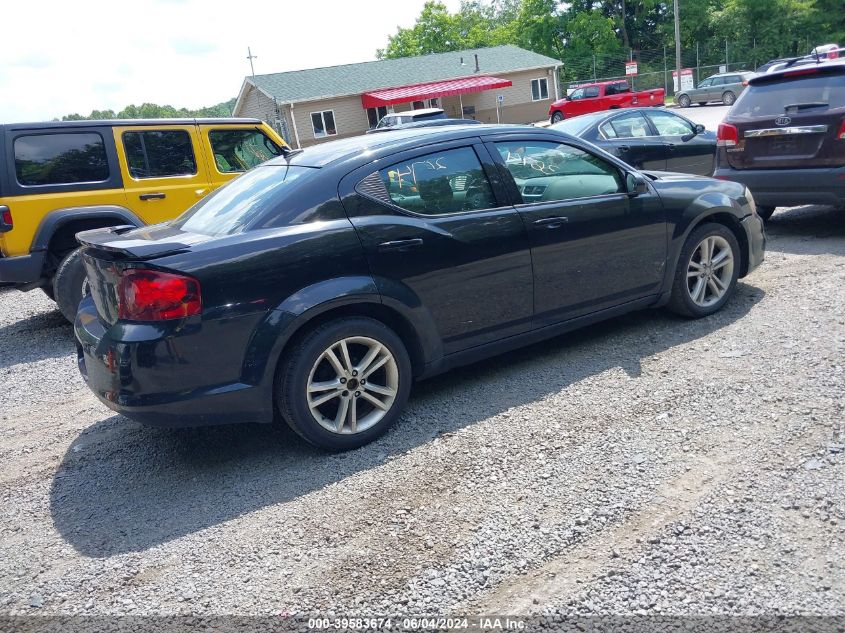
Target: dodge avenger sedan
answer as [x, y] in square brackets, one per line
[318, 286]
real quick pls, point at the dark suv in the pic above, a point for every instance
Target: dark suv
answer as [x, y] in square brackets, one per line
[785, 138]
[321, 284]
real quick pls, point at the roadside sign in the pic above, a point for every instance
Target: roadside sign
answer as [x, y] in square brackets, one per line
[686, 79]
[500, 98]
[723, 69]
[630, 68]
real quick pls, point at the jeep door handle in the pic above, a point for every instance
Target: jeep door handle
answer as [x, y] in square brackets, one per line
[153, 196]
[552, 223]
[397, 245]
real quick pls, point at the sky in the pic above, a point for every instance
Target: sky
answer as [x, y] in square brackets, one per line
[59, 57]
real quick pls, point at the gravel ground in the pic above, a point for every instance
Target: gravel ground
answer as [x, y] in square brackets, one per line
[645, 465]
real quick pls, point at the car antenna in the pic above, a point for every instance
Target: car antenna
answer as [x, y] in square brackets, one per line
[289, 153]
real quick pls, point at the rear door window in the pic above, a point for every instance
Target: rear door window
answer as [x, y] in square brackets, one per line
[812, 93]
[57, 159]
[241, 150]
[450, 181]
[159, 153]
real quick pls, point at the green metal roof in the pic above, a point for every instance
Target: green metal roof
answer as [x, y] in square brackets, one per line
[350, 79]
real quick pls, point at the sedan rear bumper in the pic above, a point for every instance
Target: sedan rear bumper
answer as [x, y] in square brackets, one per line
[155, 374]
[789, 187]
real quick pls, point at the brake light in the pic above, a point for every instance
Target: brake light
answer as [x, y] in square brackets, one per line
[841, 133]
[6, 222]
[151, 295]
[805, 71]
[727, 135]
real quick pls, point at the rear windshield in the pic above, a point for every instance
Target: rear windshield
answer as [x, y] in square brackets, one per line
[246, 200]
[574, 126]
[804, 94]
[429, 115]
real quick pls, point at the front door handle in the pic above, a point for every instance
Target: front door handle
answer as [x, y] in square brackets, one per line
[552, 223]
[153, 196]
[399, 245]
[624, 148]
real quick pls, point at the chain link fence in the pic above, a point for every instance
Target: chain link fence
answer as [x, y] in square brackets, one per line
[655, 66]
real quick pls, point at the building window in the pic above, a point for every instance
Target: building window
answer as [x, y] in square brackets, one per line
[323, 123]
[417, 105]
[374, 115]
[539, 89]
[434, 103]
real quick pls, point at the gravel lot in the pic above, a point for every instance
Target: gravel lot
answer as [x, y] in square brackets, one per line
[645, 465]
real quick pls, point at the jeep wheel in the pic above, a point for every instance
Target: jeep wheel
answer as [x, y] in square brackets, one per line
[70, 284]
[707, 270]
[345, 383]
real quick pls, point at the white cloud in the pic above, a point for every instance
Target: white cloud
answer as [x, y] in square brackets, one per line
[105, 55]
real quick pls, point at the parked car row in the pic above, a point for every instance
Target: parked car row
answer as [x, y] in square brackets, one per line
[322, 283]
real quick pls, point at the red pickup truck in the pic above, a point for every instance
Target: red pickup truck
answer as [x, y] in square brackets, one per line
[604, 95]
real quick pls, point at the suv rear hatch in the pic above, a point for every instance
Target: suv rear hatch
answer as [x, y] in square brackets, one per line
[791, 119]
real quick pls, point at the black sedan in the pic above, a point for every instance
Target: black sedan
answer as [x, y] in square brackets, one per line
[321, 284]
[648, 138]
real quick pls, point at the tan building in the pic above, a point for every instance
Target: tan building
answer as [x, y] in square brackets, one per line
[503, 84]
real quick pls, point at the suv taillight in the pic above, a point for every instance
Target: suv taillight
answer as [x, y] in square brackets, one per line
[727, 135]
[6, 222]
[151, 295]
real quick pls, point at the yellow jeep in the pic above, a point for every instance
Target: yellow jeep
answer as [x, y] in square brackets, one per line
[59, 178]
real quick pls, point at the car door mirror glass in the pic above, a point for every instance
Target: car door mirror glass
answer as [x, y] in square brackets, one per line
[635, 184]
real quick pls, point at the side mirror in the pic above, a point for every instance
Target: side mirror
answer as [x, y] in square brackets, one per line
[635, 184]
[699, 129]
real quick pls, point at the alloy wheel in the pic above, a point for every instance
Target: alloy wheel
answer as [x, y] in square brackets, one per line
[710, 271]
[352, 385]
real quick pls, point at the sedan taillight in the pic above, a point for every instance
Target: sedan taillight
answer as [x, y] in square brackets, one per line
[727, 135]
[841, 133]
[151, 295]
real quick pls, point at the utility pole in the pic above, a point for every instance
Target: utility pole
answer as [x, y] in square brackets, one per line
[250, 57]
[678, 44]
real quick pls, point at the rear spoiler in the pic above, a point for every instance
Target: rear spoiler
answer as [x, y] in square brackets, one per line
[110, 240]
[822, 68]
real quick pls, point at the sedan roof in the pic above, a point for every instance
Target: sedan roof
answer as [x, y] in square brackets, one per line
[401, 138]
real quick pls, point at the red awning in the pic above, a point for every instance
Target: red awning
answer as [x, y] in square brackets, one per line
[416, 92]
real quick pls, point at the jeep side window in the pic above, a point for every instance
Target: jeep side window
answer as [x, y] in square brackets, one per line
[241, 150]
[159, 153]
[60, 159]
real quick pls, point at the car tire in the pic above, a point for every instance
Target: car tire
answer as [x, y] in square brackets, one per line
[684, 101]
[705, 279]
[728, 98]
[765, 211]
[70, 284]
[347, 417]
[557, 117]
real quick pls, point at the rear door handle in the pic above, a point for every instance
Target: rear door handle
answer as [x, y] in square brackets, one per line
[552, 223]
[397, 245]
[153, 196]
